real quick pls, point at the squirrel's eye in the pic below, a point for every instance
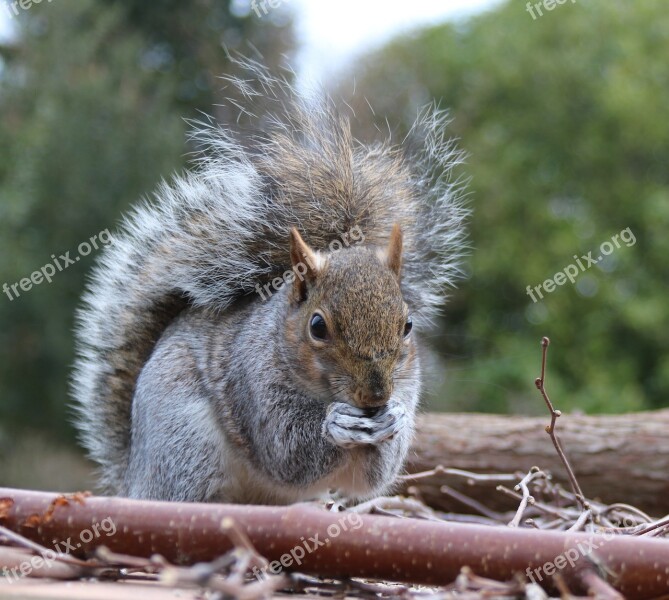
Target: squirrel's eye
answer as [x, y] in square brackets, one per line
[318, 328]
[408, 326]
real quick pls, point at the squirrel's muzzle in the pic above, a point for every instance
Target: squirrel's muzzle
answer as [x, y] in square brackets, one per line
[372, 398]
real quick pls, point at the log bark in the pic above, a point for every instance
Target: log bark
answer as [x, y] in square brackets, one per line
[616, 458]
[378, 547]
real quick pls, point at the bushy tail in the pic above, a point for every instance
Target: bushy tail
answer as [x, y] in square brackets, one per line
[210, 236]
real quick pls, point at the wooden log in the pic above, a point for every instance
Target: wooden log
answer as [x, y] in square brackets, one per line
[616, 458]
[342, 544]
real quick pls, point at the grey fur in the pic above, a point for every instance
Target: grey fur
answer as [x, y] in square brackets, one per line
[188, 412]
[153, 405]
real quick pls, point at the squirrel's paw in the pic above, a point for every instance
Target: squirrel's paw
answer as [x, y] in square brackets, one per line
[348, 426]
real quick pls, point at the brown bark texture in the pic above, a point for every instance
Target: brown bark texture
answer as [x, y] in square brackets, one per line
[396, 549]
[616, 458]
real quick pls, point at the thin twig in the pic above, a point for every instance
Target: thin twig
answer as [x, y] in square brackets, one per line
[579, 525]
[18, 539]
[627, 508]
[471, 503]
[596, 586]
[384, 504]
[527, 497]
[471, 477]
[540, 382]
[553, 511]
[661, 523]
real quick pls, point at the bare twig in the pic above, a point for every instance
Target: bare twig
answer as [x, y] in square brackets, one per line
[618, 506]
[409, 507]
[527, 498]
[24, 542]
[560, 513]
[596, 586]
[540, 382]
[468, 475]
[661, 523]
[471, 503]
[584, 517]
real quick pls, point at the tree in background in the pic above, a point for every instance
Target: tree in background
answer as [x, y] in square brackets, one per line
[91, 117]
[192, 41]
[565, 121]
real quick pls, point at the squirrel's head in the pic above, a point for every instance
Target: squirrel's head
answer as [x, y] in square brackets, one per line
[348, 327]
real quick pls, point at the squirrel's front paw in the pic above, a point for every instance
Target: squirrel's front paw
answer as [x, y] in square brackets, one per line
[348, 426]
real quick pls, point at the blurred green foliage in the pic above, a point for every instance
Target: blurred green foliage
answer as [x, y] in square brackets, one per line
[190, 40]
[90, 120]
[565, 122]
[563, 118]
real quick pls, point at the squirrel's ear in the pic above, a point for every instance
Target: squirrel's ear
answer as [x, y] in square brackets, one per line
[393, 254]
[306, 264]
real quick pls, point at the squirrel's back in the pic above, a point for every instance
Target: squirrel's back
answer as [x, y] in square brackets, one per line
[212, 235]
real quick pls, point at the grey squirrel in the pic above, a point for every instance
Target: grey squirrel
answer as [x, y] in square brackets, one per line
[196, 381]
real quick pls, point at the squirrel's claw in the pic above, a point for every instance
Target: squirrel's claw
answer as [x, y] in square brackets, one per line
[348, 426]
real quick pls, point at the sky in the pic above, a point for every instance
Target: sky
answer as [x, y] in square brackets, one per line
[4, 21]
[332, 32]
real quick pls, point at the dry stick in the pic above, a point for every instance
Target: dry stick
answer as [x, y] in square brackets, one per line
[207, 575]
[579, 525]
[626, 508]
[376, 588]
[540, 382]
[527, 497]
[385, 504]
[242, 543]
[12, 558]
[303, 583]
[540, 506]
[596, 586]
[661, 523]
[471, 477]
[560, 584]
[471, 503]
[125, 561]
[42, 550]
[469, 581]
[659, 532]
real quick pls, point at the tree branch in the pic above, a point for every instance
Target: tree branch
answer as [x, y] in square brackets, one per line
[410, 550]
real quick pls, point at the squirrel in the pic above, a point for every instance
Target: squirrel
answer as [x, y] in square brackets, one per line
[251, 334]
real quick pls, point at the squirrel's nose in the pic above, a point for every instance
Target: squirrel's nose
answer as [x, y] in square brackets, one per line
[374, 398]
